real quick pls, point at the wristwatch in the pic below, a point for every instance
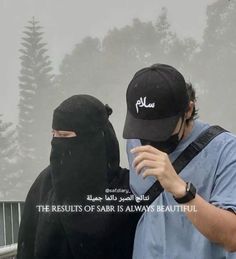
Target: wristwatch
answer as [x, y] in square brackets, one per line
[190, 194]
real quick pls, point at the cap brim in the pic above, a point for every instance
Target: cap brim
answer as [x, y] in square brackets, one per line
[155, 130]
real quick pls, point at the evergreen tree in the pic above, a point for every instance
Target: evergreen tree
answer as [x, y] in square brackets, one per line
[36, 102]
[170, 48]
[80, 71]
[7, 154]
[216, 62]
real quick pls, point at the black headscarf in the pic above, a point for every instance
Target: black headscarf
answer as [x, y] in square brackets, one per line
[79, 164]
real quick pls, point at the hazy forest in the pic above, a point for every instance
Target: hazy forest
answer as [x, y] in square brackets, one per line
[103, 68]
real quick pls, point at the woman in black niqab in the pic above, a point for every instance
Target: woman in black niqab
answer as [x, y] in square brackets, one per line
[83, 165]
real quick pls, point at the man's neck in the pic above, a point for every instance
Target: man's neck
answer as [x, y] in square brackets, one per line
[188, 128]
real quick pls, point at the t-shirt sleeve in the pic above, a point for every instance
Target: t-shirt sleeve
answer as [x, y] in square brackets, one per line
[224, 189]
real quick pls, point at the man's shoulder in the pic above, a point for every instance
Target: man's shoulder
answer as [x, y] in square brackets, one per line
[226, 140]
[223, 148]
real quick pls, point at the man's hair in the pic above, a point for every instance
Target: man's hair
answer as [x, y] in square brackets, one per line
[192, 97]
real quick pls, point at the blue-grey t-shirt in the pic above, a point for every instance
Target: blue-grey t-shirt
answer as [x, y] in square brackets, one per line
[170, 235]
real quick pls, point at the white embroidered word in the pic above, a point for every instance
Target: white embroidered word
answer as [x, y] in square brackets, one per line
[142, 103]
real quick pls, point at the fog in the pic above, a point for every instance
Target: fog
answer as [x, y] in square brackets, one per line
[95, 48]
[67, 23]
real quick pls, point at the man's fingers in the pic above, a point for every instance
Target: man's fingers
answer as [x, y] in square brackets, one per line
[150, 172]
[146, 148]
[144, 156]
[147, 164]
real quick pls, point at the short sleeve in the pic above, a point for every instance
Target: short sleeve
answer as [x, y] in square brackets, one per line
[223, 194]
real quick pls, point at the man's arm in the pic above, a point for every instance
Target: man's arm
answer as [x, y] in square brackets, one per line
[218, 225]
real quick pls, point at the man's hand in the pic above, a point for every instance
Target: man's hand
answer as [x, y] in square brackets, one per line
[157, 163]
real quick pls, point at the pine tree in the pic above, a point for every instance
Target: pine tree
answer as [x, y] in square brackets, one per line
[216, 62]
[7, 154]
[80, 69]
[36, 102]
[170, 48]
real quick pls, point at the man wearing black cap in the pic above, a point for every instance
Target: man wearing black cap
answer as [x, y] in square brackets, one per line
[159, 126]
[84, 162]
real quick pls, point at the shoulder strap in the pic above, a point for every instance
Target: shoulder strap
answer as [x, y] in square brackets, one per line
[186, 156]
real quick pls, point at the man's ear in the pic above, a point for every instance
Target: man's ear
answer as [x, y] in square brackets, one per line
[189, 112]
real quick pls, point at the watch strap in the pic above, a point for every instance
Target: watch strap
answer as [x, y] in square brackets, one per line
[190, 194]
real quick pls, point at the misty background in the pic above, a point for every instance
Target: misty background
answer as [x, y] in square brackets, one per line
[51, 50]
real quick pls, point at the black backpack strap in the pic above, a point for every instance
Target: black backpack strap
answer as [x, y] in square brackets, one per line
[186, 156]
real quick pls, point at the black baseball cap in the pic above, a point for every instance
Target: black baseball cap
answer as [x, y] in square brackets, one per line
[156, 99]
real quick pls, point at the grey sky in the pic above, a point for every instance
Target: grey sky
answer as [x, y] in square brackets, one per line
[66, 22]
